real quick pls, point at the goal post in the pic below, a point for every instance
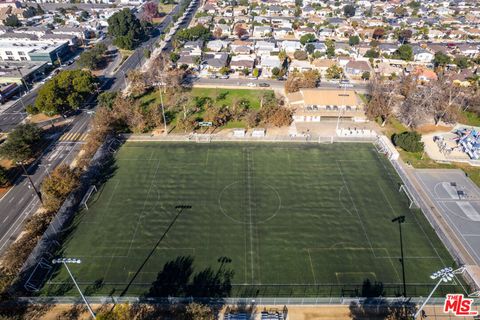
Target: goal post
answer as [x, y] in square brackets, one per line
[412, 203]
[203, 138]
[384, 146]
[87, 196]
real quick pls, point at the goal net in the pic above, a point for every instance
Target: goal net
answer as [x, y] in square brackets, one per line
[385, 146]
[411, 201]
[203, 138]
[87, 196]
[328, 140]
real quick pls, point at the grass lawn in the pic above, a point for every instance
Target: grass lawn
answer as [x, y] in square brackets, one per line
[266, 220]
[471, 118]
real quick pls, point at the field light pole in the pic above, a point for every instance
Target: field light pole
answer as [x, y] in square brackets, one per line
[160, 85]
[65, 262]
[444, 275]
[400, 220]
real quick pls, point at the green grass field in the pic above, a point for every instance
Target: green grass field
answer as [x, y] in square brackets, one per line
[266, 220]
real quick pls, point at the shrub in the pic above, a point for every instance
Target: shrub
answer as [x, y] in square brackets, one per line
[31, 109]
[409, 141]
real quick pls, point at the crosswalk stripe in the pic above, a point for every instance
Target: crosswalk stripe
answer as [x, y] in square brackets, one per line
[75, 136]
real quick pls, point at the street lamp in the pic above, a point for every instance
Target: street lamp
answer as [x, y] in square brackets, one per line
[444, 275]
[65, 262]
[37, 193]
[400, 220]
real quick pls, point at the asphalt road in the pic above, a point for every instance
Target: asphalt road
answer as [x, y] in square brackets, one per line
[21, 201]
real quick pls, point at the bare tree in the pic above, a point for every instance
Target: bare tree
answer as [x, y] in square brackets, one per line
[383, 98]
[446, 101]
[416, 106]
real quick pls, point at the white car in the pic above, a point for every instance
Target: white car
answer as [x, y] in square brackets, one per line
[251, 84]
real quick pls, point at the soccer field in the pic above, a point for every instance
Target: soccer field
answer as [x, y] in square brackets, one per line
[265, 220]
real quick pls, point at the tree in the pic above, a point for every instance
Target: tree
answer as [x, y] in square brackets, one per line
[400, 11]
[150, 11]
[298, 80]
[106, 99]
[255, 72]
[441, 59]
[409, 141]
[174, 57]
[462, 62]
[93, 58]
[310, 48]
[20, 143]
[4, 181]
[300, 55]
[199, 32]
[404, 35]
[366, 75]
[383, 98]
[334, 72]
[307, 38]
[405, 52]
[196, 311]
[372, 53]
[12, 21]
[217, 33]
[126, 29]
[240, 31]
[349, 10]
[57, 186]
[224, 70]
[330, 48]
[67, 91]
[378, 33]
[353, 40]
[275, 71]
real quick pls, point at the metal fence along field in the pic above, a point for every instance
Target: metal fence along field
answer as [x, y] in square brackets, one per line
[248, 220]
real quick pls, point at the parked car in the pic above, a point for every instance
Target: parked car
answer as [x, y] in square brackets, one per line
[264, 85]
[251, 84]
[212, 76]
[225, 76]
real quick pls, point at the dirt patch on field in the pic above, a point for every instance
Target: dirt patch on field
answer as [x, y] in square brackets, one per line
[429, 128]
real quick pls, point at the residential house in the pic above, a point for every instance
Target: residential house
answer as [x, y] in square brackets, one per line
[344, 49]
[265, 47]
[262, 31]
[325, 33]
[268, 63]
[356, 68]
[322, 65]
[215, 61]
[241, 47]
[224, 28]
[387, 48]
[281, 33]
[300, 65]
[423, 74]
[290, 46]
[217, 45]
[243, 61]
[468, 49]
[421, 55]
[303, 31]
[314, 105]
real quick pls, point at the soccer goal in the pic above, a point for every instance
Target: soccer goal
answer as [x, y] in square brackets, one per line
[328, 140]
[383, 145]
[411, 200]
[38, 275]
[203, 138]
[87, 196]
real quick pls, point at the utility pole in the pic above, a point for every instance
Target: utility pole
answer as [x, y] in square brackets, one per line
[37, 193]
[400, 220]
